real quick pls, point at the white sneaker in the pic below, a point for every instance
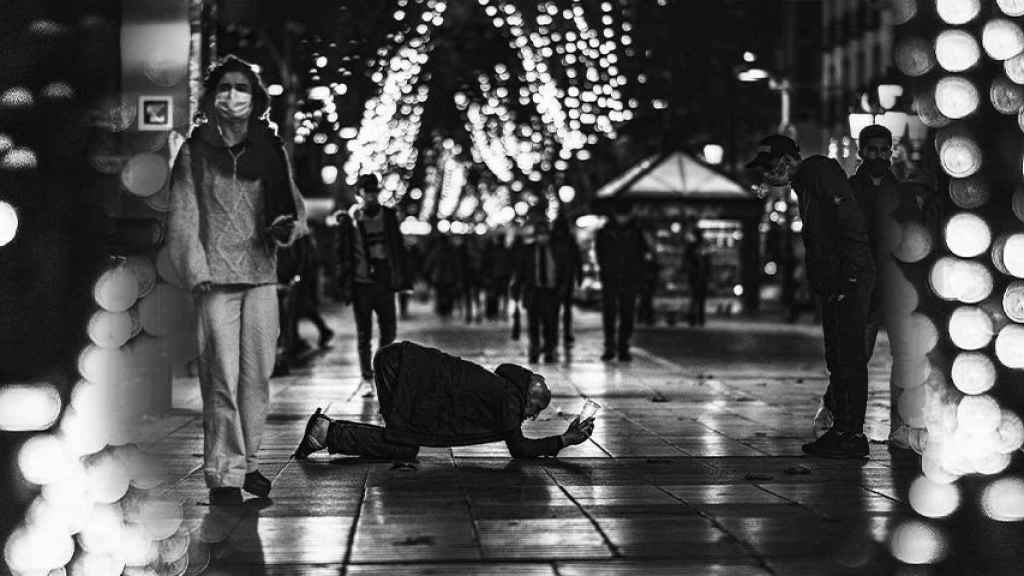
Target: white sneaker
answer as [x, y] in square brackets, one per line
[823, 420]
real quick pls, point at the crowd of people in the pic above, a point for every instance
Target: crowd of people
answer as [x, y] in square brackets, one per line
[239, 238]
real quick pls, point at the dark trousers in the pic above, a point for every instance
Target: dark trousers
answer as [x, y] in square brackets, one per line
[369, 299]
[567, 332]
[698, 305]
[542, 321]
[445, 299]
[367, 440]
[497, 298]
[844, 325]
[618, 309]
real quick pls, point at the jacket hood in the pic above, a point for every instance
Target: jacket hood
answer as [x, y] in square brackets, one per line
[518, 376]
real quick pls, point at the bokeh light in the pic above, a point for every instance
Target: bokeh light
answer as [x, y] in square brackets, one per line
[1009, 344]
[933, 499]
[973, 373]
[914, 56]
[1002, 39]
[915, 243]
[1011, 8]
[957, 50]
[960, 156]
[8, 223]
[1008, 255]
[969, 193]
[903, 11]
[116, 290]
[1013, 302]
[978, 414]
[956, 96]
[917, 542]
[27, 407]
[970, 328]
[967, 281]
[1003, 500]
[957, 12]
[968, 235]
[45, 458]
[1007, 97]
[1011, 432]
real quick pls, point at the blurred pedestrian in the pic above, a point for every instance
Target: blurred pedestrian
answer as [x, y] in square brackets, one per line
[537, 280]
[497, 274]
[698, 274]
[841, 271]
[471, 258]
[371, 267]
[234, 203]
[413, 265]
[570, 266]
[445, 273]
[308, 297]
[621, 253]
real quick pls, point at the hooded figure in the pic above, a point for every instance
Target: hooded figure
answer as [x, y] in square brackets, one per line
[429, 398]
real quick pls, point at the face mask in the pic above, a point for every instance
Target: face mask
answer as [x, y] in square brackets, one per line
[234, 105]
[878, 167]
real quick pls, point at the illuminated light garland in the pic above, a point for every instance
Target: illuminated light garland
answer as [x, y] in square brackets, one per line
[957, 50]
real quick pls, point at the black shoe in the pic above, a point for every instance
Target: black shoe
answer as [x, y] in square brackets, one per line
[225, 497]
[325, 337]
[836, 444]
[608, 356]
[309, 443]
[625, 356]
[256, 484]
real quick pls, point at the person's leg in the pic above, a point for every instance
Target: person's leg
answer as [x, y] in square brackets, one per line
[219, 323]
[362, 304]
[567, 333]
[367, 440]
[258, 334]
[609, 309]
[852, 395]
[549, 323]
[387, 315]
[534, 315]
[627, 312]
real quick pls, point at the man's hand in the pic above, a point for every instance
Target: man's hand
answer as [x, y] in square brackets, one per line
[578, 432]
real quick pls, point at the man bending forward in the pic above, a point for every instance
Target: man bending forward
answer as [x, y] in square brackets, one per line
[429, 398]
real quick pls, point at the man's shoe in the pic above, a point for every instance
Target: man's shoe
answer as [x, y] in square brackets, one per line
[315, 436]
[256, 484]
[225, 497]
[823, 420]
[608, 356]
[625, 356]
[550, 358]
[836, 444]
[325, 337]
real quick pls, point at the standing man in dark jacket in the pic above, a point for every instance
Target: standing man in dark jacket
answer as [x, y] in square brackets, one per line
[570, 263]
[429, 398]
[841, 272]
[621, 257]
[371, 267]
[538, 276]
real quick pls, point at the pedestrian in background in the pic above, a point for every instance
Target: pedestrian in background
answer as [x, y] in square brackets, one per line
[841, 271]
[234, 203]
[371, 268]
[570, 265]
[497, 274]
[698, 274]
[621, 254]
[537, 280]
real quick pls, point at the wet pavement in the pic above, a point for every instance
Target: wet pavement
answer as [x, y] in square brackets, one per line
[694, 467]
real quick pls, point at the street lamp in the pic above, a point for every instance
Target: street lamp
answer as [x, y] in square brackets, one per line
[778, 84]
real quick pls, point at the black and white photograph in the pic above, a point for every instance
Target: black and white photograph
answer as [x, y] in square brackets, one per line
[489, 287]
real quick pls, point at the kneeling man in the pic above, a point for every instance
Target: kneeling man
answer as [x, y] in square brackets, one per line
[429, 398]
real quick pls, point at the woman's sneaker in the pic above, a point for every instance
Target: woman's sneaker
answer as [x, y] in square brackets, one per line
[836, 444]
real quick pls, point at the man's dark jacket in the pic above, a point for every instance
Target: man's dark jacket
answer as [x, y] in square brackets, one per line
[621, 251]
[348, 227]
[526, 281]
[442, 400]
[838, 252]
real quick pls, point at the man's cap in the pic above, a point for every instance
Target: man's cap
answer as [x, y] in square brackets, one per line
[874, 131]
[368, 182]
[515, 374]
[772, 148]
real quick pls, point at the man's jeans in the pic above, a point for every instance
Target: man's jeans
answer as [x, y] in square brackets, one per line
[618, 306]
[369, 298]
[846, 357]
[238, 330]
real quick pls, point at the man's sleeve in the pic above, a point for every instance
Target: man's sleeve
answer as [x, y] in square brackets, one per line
[183, 243]
[521, 447]
[855, 258]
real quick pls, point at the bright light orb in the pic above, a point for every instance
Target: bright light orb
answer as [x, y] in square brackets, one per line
[1014, 68]
[928, 111]
[111, 329]
[956, 96]
[27, 407]
[1002, 39]
[968, 235]
[8, 223]
[566, 194]
[970, 328]
[957, 50]
[1011, 432]
[960, 156]
[116, 290]
[1007, 98]
[966, 281]
[1003, 500]
[915, 243]
[957, 12]
[915, 57]
[1013, 302]
[1012, 8]
[44, 459]
[973, 373]
[1009, 344]
[978, 414]
[916, 542]
[969, 193]
[1008, 255]
[38, 549]
[933, 499]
